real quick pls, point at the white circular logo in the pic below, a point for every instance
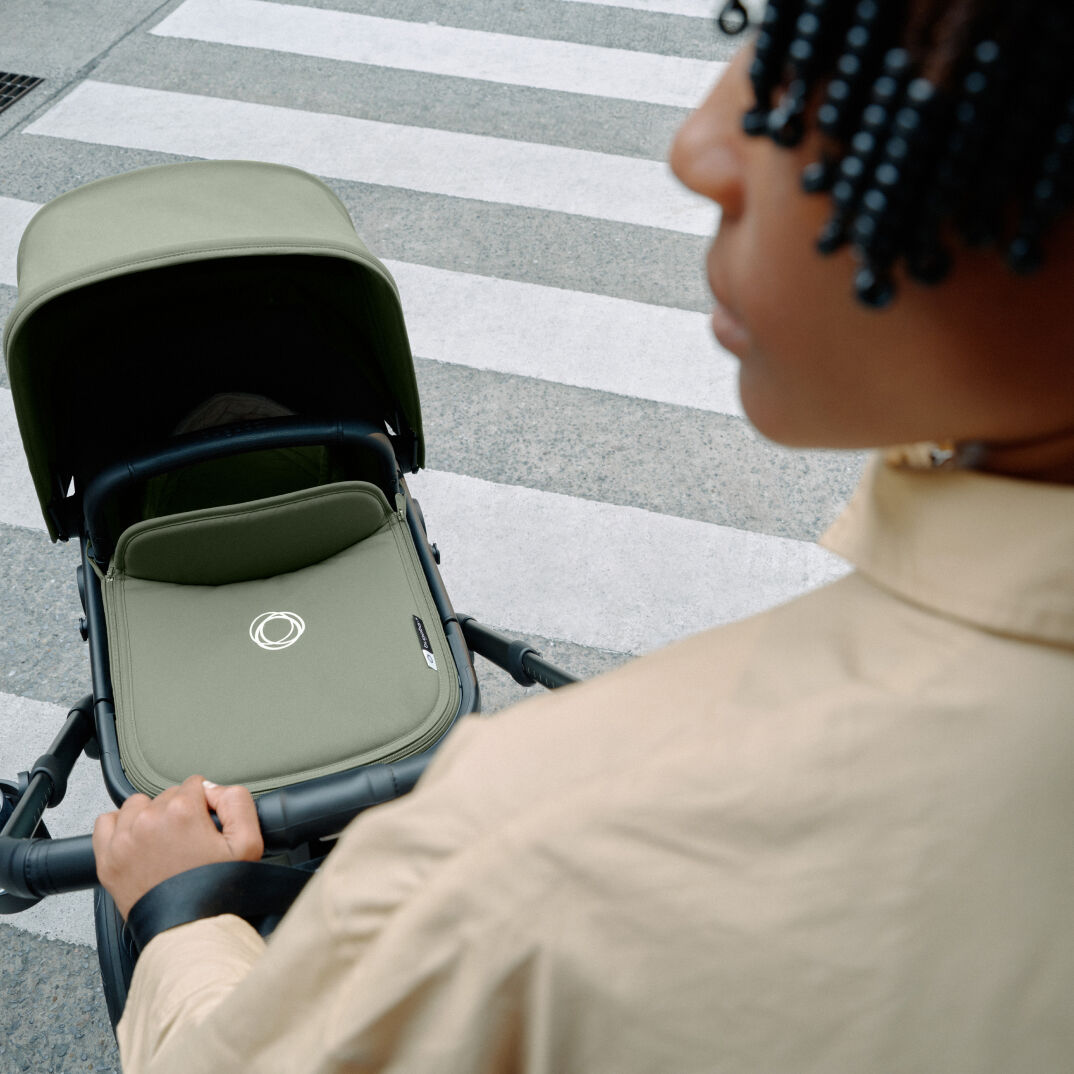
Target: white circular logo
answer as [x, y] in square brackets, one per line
[268, 638]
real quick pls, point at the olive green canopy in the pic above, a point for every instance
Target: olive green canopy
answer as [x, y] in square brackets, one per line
[142, 294]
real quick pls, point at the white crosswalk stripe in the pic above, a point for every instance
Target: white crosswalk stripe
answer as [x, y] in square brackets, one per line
[443, 50]
[18, 506]
[572, 568]
[14, 216]
[551, 177]
[698, 9]
[591, 341]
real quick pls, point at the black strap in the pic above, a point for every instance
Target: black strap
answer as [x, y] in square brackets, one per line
[256, 891]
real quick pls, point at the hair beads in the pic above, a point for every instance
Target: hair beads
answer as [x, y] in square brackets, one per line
[894, 218]
[786, 123]
[766, 70]
[983, 148]
[978, 110]
[1046, 142]
[1051, 193]
[848, 89]
[858, 204]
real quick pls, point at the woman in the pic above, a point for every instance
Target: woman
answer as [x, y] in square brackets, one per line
[837, 836]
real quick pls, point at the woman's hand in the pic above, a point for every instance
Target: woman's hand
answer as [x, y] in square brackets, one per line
[151, 839]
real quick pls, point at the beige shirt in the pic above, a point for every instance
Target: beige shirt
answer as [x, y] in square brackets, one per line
[837, 837]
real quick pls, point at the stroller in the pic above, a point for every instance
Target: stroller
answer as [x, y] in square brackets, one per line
[262, 604]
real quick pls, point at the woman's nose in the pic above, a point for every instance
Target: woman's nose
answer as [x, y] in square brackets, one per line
[707, 152]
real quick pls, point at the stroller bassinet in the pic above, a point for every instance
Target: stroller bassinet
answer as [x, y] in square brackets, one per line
[217, 398]
[145, 295]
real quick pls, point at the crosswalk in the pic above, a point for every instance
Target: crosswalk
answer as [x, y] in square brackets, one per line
[591, 480]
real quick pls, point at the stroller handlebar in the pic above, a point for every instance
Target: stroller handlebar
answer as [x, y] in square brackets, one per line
[33, 868]
[294, 815]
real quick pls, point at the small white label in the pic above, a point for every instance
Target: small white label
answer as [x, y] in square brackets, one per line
[423, 641]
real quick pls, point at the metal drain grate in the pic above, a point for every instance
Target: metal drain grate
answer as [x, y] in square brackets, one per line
[12, 87]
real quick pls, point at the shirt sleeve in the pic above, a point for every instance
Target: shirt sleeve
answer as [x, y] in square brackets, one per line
[182, 975]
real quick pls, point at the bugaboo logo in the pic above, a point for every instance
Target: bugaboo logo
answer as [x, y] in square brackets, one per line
[274, 637]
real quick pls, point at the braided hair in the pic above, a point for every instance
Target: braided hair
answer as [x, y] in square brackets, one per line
[941, 118]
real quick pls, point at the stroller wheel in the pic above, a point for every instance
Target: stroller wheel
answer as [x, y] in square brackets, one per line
[115, 952]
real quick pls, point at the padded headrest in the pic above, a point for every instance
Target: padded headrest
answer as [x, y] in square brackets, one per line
[257, 539]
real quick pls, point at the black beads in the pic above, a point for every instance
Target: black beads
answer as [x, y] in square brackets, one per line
[832, 236]
[769, 61]
[809, 34]
[1039, 154]
[928, 262]
[1025, 254]
[1049, 195]
[982, 151]
[819, 176]
[1055, 186]
[908, 173]
[855, 72]
[786, 122]
[874, 287]
[867, 189]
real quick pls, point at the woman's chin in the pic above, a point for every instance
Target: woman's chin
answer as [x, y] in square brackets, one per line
[792, 425]
[773, 417]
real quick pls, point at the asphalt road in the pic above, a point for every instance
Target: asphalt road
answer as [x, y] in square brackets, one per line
[591, 480]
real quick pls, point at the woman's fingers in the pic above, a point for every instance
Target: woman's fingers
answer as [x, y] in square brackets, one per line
[149, 840]
[235, 808]
[103, 830]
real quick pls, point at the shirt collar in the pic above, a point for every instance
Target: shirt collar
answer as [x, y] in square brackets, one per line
[994, 551]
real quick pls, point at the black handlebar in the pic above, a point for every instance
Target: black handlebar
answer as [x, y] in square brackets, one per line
[33, 868]
[323, 806]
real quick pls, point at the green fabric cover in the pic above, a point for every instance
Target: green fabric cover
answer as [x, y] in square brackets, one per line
[243, 542]
[195, 693]
[194, 214]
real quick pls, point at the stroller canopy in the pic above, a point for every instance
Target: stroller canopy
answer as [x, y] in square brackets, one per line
[142, 294]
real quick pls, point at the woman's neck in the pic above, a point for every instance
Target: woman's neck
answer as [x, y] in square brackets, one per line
[1046, 458]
